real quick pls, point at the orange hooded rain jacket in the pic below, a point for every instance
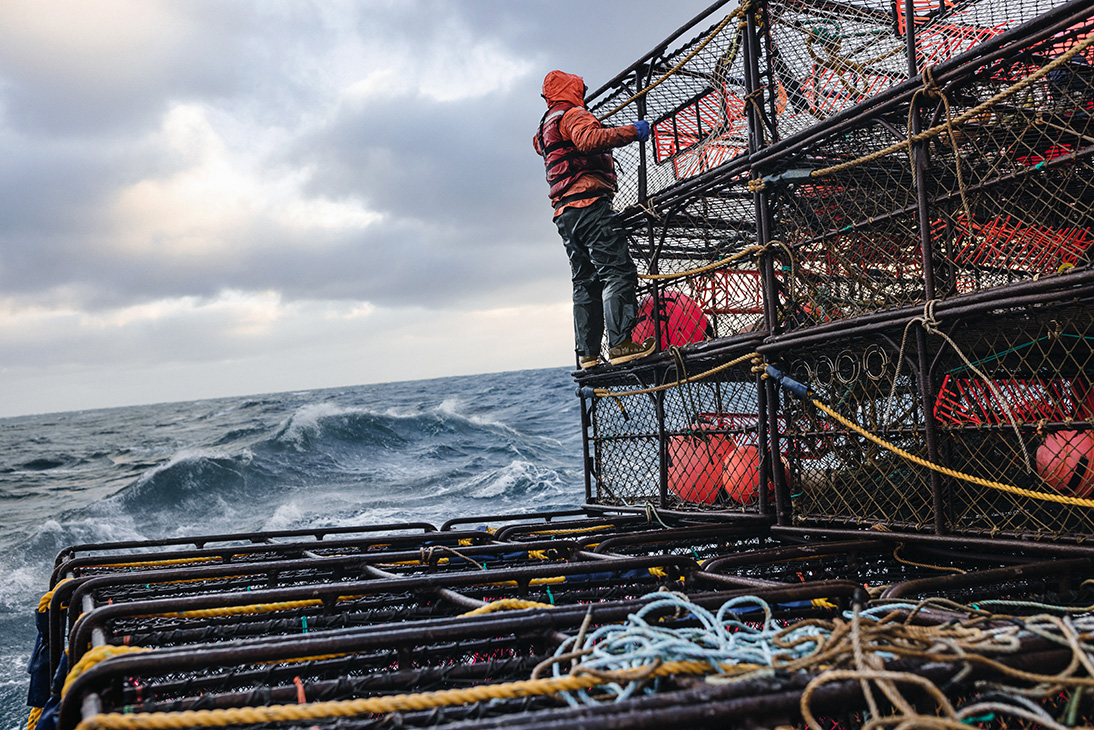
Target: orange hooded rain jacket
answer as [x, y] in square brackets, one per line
[564, 91]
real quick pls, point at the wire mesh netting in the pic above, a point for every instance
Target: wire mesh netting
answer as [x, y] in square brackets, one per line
[1016, 404]
[1010, 401]
[712, 449]
[1005, 184]
[815, 171]
[838, 475]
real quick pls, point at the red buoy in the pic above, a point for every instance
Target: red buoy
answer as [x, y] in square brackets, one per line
[682, 320]
[741, 474]
[1066, 462]
[696, 464]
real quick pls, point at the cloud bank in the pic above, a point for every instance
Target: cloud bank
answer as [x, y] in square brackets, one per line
[208, 198]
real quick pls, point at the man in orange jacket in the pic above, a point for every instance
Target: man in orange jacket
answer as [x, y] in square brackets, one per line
[576, 151]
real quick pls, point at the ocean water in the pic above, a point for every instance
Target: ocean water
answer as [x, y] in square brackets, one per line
[422, 451]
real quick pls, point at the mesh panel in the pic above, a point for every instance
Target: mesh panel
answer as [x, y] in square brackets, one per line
[712, 457]
[1011, 398]
[1025, 421]
[836, 475]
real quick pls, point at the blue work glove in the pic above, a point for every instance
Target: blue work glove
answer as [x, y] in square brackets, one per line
[643, 128]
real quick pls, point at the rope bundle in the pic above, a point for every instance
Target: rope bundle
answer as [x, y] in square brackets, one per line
[721, 641]
[854, 647]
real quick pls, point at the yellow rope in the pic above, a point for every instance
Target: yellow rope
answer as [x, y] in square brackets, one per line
[505, 604]
[93, 657]
[605, 393]
[702, 269]
[572, 531]
[680, 65]
[372, 705]
[241, 610]
[32, 721]
[905, 561]
[1044, 496]
[963, 117]
[43, 604]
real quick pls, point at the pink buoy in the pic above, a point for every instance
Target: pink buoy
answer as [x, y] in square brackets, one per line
[1066, 462]
[682, 320]
[695, 466]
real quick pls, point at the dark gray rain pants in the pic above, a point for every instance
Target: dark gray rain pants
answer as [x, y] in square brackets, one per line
[604, 276]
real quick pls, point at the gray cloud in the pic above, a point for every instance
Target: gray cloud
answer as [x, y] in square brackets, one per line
[332, 151]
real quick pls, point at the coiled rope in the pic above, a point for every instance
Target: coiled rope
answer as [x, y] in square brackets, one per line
[720, 643]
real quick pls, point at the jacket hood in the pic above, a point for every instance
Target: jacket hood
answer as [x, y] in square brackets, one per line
[561, 87]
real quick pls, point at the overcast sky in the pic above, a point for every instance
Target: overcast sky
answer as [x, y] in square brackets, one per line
[202, 198]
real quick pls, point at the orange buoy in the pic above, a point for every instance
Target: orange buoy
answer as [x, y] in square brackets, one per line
[696, 464]
[1066, 462]
[682, 320]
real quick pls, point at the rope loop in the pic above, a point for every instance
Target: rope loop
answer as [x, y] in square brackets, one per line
[94, 656]
[930, 86]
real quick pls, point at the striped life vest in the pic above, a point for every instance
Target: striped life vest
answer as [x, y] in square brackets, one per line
[565, 163]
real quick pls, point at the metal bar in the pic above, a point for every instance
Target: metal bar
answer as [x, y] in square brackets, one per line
[978, 578]
[650, 57]
[684, 515]
[228, 553]
[701, 532]
[80, 591]
[619, 520]
[586, 452]
[512, 517]
[789, 552]
[677, 564]
[200, 541]
[1002, 545]
[1060, 289]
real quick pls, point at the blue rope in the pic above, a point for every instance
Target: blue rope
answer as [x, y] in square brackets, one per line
[721, 638]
